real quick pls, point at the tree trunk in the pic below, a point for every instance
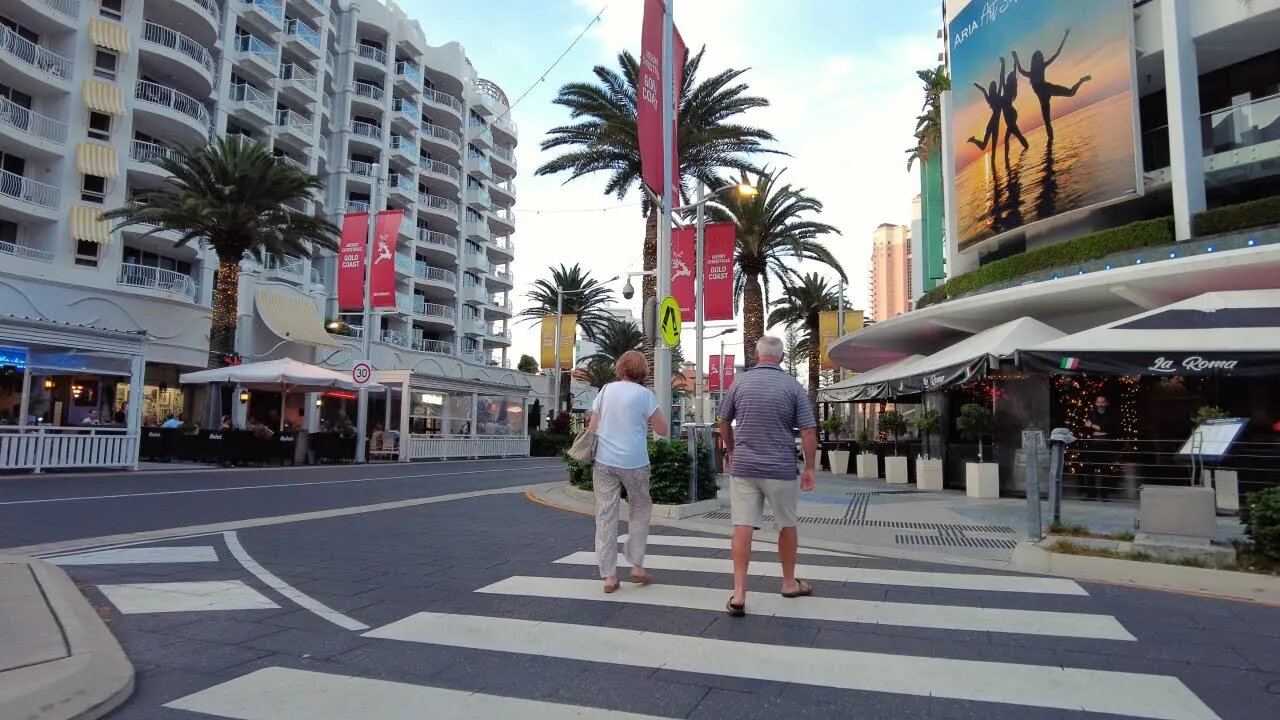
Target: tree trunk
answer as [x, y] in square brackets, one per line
[649, 286]
[226, 313]
[752, 318]
[815, 369]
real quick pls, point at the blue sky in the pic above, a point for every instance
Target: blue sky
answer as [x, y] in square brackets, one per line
[840, 75]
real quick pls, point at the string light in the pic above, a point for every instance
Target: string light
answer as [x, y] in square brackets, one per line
[225, 299]
[1076, 396]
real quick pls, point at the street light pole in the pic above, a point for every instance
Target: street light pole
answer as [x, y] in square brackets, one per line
[362, 407]
[699, 312]
[662, 353]
[840, 321]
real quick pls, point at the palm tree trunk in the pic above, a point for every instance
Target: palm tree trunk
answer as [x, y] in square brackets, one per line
[815, 369]
[752, 318]
[226, 313]
[649, 285]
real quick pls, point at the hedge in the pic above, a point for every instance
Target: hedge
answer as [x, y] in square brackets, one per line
[1095, 246]
[669, 467]
[547, 443]
[1243, 216]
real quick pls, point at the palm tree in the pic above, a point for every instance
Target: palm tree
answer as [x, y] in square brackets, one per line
[772, 236]
[798, 308]
[796, 348]
[234, 196]
[603, 137]
[581, 294]
[929, 121]
[598, 372]
[615, 337]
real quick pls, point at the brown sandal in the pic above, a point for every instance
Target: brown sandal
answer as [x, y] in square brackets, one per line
[610, 587]
[735, 610]
[644, 579]
[804, 590]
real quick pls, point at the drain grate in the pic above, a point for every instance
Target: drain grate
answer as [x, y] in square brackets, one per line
[955, 541]
[952, 528]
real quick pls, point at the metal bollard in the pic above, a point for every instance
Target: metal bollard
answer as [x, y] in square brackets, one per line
[1032, 441]
[1059, 439]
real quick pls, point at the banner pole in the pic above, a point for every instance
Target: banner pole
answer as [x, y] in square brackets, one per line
[662, 353]
[366, 336]
[699, 304]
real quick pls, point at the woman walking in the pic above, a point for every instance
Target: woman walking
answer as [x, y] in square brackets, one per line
[621, 416]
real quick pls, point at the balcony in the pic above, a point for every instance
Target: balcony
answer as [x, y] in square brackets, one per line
[476, 261]
[372, 55]
[372, 133]
[479, 197]
[409, 75]
[395, 337]
[26, 253]
[293, 123]
[369, 94]
[306, 36]
[182, 105]
[356, 206]
[266, 14]
[295, 163]
[402, 185]
[496, 334]
[481, 135]
[1239, 143]
[444, 206]
[361, 168]
[505, 160]
[159, 280]
[438, 240]
[257, 55]
[404, 264]
[32, 128]
[210, 11]
[497, 304]
[65, 11]
[444, 100]
[181, 47]
[503, 277]
[504, 219]
[432, 346]
[405, 146]
[298, 82]
[478, 230]
[258, 104]
[505, 127]
[473, 293]
[472, 325]
[434, 310]
[478, 164]
[477, 356]
[147, 152]
[406, 110]
[504, 246]
[439, 169]
[442, 135]
[42, 64]
[505, 191]
[425, 272]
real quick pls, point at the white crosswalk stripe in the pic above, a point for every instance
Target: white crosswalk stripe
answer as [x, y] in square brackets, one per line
[693, 541]
[140, 556]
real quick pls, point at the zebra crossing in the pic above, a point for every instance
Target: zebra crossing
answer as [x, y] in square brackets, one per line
[277, 692]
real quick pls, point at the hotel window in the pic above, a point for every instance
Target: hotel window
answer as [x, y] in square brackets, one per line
[99, 126]
[94, 189]
[113, 9]
[104, 64]
[87, 253]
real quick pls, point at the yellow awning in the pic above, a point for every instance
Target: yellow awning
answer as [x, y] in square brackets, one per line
[103, 97]
[292, 318]
[87, 224]
[109, 35]
[95, 159]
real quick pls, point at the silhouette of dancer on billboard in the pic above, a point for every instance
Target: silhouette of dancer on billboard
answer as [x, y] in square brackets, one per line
[1008, 94]
[992, 95]
[1043, 89]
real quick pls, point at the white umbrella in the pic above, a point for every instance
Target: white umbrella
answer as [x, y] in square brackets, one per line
[283, 376]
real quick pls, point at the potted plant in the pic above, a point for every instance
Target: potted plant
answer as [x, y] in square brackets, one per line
[868, 465]
[981, 479]
[837, 455]
[893, 424]
[928, 469]
[1205, 413]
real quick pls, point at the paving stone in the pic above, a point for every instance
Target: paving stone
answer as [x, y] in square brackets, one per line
[201, 656]
[224, 630]
[631, 692]
[307, 643]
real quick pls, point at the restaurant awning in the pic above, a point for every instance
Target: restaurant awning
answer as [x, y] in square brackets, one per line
[969, 359]
[283, 375]
[1228, 333]
[869, 385]
[292, 318]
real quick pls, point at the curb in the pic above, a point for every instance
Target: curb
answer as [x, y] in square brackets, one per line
[93, 677]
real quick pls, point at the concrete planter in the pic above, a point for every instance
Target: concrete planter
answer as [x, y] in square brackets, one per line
[928, 474]
[671, 512]
[982, 480]
[1185, 513]
[839, 461]
[895, 470]
[868, 466]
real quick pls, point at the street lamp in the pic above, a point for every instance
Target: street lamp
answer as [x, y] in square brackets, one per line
[560, 293]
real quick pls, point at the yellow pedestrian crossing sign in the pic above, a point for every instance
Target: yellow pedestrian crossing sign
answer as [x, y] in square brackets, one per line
[669, 321]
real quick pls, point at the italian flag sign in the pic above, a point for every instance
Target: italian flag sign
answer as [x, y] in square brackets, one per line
[1069, 363]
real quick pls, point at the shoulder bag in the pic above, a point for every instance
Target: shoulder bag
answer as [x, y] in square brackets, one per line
[583, 449]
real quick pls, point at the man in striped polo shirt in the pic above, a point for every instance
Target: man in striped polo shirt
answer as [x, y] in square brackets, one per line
[767, 406]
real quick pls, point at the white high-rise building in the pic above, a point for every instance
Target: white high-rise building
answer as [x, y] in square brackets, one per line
[91, 90]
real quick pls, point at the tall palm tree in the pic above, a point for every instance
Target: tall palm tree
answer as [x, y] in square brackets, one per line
[581, 295]
[615, 337]
[796, 348]
[773, 234]
[603, 136]
[234, 196]
[929, 122]
[598, 372]
[798, 307]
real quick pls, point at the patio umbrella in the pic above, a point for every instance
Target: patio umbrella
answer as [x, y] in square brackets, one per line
[283, 376]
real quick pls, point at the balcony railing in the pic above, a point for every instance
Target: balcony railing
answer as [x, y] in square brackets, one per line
[505, 276]
[22, 251]
[28, 190]
[439, 203]
[435, 310]
[179, 43]
[46, 61]
[154, 278]
[145, 152]
[369, 90]
[443, 99]
[423, 271]
[395, 337]
[250, 95]
[396, 181]
[477, 261]
[295, 122]
[499, 303]
[300, 76]
[31, 123]
[480, 162]
[479, 196]
[433, 346]
[408, 107]
[410, 73]
[304, 32]
[404, 264]
[253, 46]
[70, 8]
[369, 52]
[357, 206]
[505, 215]
[497, 332]
[402, 143]
[504, 244]
[369, 130]
[476, 356]
[359, 167]
[288, 266]
[215, 12]
[296, 163]
[270, 8]
[505, 154]
[1240, 126]
[443, 133]
[439, 168]
[431, 237]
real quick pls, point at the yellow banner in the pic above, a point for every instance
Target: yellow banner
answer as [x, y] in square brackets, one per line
[829, 332]
[568, 337]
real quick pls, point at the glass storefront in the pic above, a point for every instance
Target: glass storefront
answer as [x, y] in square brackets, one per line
[439, 412]
[501, 415]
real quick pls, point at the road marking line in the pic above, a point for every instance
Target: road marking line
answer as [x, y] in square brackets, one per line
[910, 578]
[722, 543]
[263, 487]
[1134, 694]
[276, 692]
[287, 590]
[138, 598]
[944, 617]
[141, 556]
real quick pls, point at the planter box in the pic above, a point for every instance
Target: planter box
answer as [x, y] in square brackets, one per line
[839, 461]
[895, 470]
[868, 466]
[982, 480]
[1178, 512]
[928, 474]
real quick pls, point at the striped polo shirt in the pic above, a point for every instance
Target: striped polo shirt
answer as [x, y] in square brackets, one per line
[769, 405]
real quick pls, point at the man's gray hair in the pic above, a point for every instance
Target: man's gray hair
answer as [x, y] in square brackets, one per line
[769, 346]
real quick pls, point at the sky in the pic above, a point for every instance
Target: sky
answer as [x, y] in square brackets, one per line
[839, 74]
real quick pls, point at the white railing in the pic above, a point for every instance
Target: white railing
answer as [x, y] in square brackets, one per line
[427, 447]
[38, 448]
[150, 92]
[410, 73]
[294, 121]
[477, 261]
[395, 337]
[317, 277]
[499, 334]
[474, 292]
[442, 133]
[408, 107]
[500, 304]
[482, 134]
[299, 76]
[439, 168]
[404, 264]
[369, 90]
[70, 8]
[215, 12]
[475, 355]
[301, 30]
[270, 8]
[504, 154]
[479, 196]
[369, 52]
[433, 346]
[402, 143]
[504, 215]
[153, 278]
[179, 43]
[423, 271]
[478, 229]
[252, 45]
[438, 203]
[437, 310]
[31, 123]
[296, 163]
[431, 237]
[359, 167]
[250, 95]
[359, 127]
[145, 152]
[28, 190]
[480, 162]
[396, 181]
[357, 206]
[46, 61]
[505, 245]
[22, 251]
[443, 99]
[289, 266]
[505, 276]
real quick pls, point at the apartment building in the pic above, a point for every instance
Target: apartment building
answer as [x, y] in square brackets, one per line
[90, 92]
[890, 290]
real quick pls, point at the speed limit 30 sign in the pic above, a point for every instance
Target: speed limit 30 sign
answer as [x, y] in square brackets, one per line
[361, 373]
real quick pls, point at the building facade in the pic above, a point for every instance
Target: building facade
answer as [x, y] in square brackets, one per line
[353, 92]
[890, 271]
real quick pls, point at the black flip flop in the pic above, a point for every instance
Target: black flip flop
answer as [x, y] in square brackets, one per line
[804, 590]
[735, 610]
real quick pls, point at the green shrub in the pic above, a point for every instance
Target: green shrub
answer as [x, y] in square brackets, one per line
[1237, 217]
[547, 443]
[1205, 413]
[1094, 246]
[895, 425]
[670, 469]
[929, 422]
[579, 473]
[833, 425]
[975, 423]
[1261, 517]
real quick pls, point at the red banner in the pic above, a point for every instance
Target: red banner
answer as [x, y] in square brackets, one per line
[649, 97]
[683, 259]
[719, 245]
[713, 375]
[355, 233]
[382, 277]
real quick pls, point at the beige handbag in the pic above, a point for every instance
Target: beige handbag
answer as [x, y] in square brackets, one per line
[583, 449]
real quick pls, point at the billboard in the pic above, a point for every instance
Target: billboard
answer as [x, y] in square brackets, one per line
[1043, 110]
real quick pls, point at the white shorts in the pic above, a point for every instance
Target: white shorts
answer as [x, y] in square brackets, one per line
[747, 496]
